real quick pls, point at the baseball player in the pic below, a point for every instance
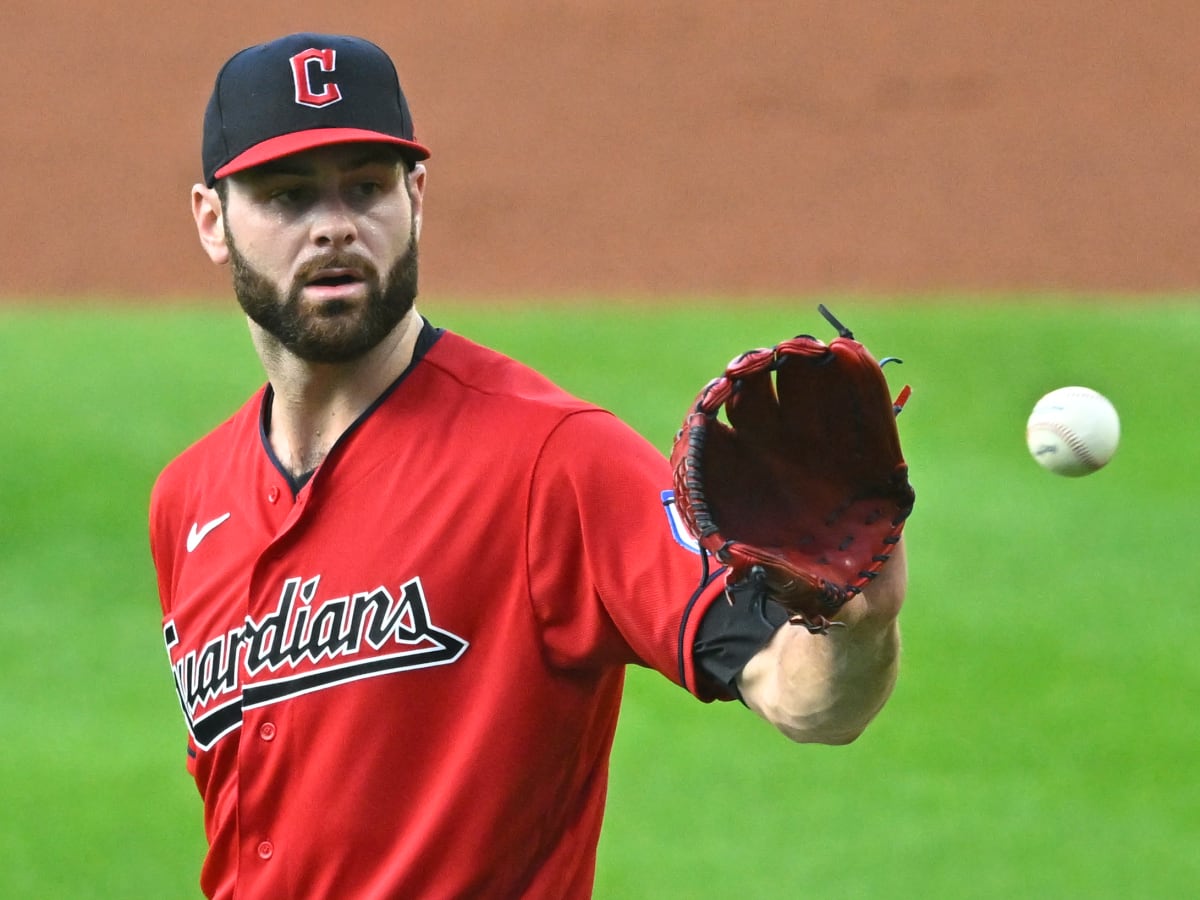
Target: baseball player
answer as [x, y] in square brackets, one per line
[401, 584]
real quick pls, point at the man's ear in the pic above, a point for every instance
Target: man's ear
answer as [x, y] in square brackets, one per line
[210, 223]
[416, 194]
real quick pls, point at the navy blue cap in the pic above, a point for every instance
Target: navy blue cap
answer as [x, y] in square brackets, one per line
[303, 91]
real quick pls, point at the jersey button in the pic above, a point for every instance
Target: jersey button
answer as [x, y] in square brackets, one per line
[266, 850]
[266, 731]
[273, 495]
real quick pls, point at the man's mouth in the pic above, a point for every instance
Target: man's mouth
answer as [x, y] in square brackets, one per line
[335, 284]
[335, 278]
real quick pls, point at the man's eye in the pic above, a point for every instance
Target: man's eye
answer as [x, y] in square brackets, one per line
[288, 196]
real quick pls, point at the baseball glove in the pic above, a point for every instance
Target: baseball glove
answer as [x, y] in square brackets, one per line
[802, 491]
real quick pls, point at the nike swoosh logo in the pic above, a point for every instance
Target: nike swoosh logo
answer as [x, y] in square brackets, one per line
[197, 534]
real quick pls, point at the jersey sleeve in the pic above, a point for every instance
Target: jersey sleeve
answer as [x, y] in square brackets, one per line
[611, 581]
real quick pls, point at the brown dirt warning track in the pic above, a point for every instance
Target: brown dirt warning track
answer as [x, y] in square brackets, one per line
[677, 148]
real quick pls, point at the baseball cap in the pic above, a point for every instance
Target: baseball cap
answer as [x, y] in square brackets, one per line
[302, 91]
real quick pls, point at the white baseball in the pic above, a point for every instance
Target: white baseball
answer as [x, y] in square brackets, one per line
[1073, 431]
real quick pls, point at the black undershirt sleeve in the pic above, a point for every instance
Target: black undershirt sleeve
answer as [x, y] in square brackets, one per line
[732, 632]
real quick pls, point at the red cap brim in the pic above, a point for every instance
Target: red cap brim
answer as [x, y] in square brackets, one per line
[296, 142]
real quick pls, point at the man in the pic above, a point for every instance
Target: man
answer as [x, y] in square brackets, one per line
[401, 584]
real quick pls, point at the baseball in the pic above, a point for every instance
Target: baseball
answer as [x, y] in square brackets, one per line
[1073, 431]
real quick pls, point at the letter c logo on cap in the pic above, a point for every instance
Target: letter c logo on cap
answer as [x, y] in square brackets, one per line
[301, 74]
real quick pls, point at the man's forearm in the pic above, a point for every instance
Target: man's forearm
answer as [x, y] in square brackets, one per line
[826, 688]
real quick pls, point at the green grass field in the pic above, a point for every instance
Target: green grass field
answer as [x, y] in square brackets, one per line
[1044, 740]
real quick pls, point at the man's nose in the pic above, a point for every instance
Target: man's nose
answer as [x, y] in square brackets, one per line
[333, 225]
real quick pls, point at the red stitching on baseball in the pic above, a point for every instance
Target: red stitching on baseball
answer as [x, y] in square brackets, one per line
[1078, 447]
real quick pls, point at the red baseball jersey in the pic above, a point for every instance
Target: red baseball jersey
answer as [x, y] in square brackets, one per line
[403, 679]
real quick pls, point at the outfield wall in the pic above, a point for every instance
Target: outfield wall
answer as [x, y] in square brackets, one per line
[679, 147]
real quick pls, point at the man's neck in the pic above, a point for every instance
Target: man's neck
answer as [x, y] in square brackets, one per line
[315, 403]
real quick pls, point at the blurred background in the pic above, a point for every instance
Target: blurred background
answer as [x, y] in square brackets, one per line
[685, 146]
[624, 195]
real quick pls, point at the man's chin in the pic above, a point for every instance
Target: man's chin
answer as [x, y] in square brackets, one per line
[333, 339]
[333, 310]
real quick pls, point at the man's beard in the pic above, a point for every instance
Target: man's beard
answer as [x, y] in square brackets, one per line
[330, 334]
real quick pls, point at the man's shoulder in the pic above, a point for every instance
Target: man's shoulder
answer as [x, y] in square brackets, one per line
[210, 464]
[494, 377]
[217, 447]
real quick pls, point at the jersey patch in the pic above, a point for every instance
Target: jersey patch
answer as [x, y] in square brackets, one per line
[304, 645]
[679, 529]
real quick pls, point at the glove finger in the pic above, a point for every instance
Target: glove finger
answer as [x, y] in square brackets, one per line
[753, 409]
[810, 399]
[838, 406]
